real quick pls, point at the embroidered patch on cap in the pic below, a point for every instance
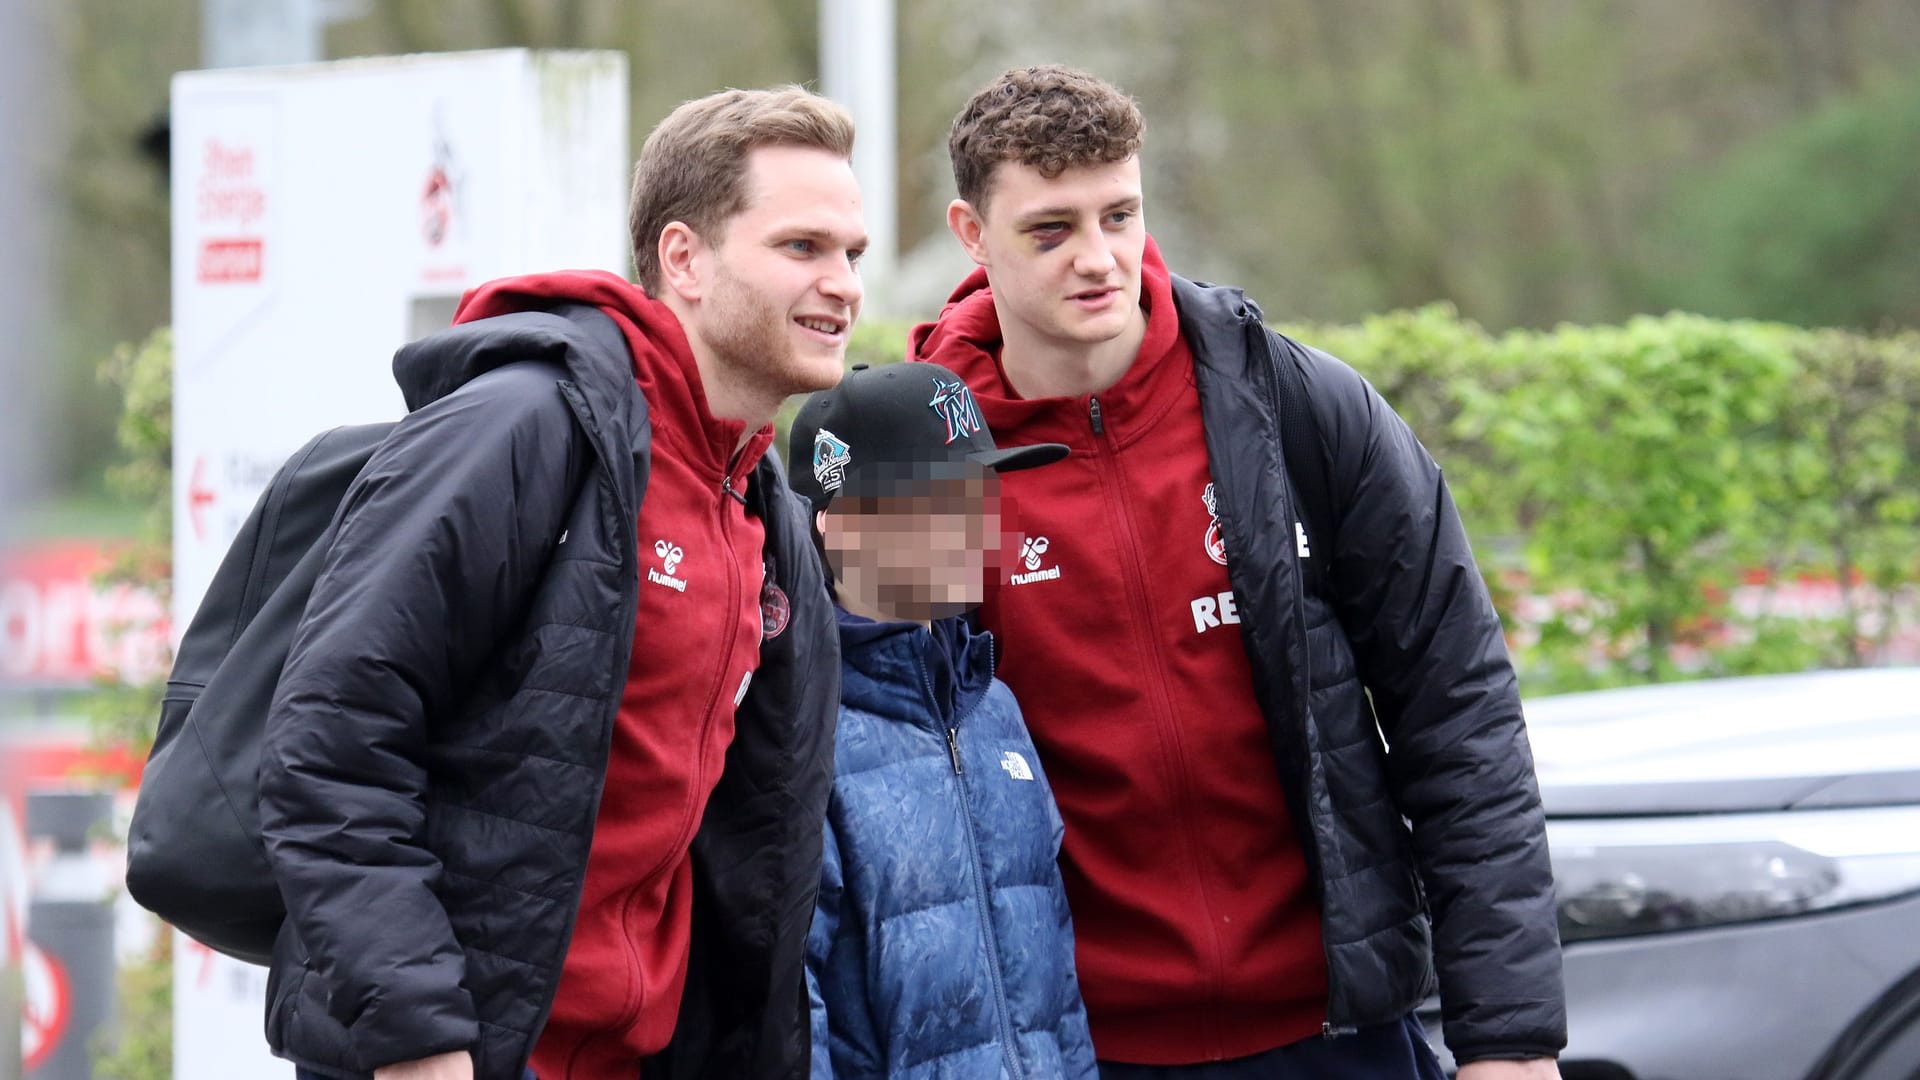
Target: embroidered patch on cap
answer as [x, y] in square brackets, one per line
[831, 456]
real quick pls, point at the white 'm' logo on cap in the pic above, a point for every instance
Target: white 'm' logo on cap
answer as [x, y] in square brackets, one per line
[954, 402]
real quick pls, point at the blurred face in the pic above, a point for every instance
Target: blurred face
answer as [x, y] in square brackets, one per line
[784, 292]
[1063, 254]
[915, 557]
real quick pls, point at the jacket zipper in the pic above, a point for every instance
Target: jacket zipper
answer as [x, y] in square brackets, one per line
[1328, 1029]
[1107, 464]
[691, 816]
[731, 630]
[953, 732]
[1009, 1040]
[720, 679]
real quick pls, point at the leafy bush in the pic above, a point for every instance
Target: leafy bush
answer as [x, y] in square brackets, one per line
[142, 1046]
[123, 714]
[1637, 494]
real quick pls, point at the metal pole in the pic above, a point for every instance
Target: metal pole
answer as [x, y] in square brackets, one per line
[31, 94]
[857, 69]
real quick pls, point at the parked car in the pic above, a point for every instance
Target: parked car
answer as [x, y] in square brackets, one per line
[1738, 870]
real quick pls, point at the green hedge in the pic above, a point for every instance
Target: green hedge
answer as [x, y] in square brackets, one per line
[1633, 491]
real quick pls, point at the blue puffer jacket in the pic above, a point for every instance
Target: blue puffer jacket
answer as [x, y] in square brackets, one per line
[941, 947]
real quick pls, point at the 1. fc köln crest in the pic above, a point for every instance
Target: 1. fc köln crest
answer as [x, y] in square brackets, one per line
[1216, 547]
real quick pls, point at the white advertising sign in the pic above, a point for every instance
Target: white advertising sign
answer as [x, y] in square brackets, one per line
[324, 215]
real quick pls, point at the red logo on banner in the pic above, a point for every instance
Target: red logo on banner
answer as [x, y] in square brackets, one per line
[226, 262]
[231, 202]
[59, 624]
[436, 207]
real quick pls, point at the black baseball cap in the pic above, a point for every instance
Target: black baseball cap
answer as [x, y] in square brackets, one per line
[883, 428]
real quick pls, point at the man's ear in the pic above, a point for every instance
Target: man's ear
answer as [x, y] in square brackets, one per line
[969, 228]
[681, 266]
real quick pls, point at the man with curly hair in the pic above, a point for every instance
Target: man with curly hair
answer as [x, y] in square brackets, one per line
[1267, 682]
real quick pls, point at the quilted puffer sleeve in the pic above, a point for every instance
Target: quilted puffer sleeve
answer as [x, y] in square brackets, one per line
[1432, 655]
[440, 543]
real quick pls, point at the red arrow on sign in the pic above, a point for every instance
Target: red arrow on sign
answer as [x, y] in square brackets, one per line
[199, 497]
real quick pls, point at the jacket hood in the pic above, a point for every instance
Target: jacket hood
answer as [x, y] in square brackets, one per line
[889, 668]
[1214, 320]
[659, 357]
[440, 363]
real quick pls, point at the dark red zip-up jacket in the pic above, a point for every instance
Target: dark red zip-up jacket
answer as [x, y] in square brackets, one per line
[695, 646]
[1198, 932]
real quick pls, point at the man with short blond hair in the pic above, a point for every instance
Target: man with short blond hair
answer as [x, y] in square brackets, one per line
[1285, 738]
[693, 166]
[544, 775]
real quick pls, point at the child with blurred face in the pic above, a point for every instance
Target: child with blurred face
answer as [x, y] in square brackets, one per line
[916, 555]
[941, 929]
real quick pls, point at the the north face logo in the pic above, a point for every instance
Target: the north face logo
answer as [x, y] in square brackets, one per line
[1016, 766]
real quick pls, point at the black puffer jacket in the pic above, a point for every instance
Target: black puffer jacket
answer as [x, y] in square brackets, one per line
[1403, 616]
[443, 722]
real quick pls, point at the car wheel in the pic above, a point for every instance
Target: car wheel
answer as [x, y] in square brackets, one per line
[1883, 1043]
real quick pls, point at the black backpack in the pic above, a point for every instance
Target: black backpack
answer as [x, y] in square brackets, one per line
[194, 854]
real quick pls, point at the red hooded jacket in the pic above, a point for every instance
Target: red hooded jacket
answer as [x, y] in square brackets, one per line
[695, 646]
[1198, 935]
